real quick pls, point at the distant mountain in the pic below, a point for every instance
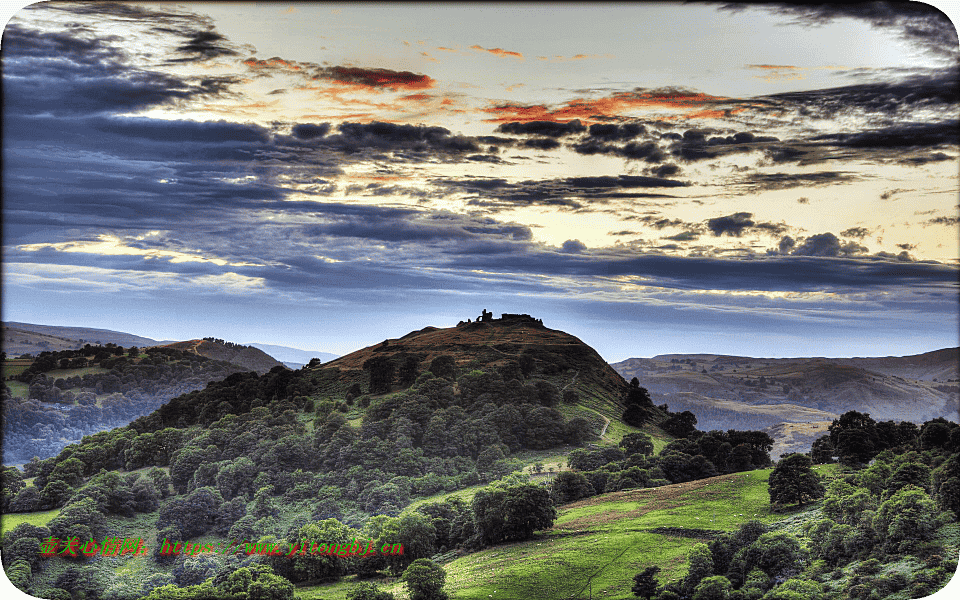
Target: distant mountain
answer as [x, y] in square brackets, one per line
[244, 356]
[28, 338]
[293, 355]
[55, 337]
[746, 393]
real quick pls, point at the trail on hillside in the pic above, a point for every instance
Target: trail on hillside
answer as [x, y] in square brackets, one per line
[571, 381]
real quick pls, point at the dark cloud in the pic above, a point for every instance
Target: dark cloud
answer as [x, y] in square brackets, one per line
[780, 181]
[353, 136]
[937, 90]
[541, 143]
[685, 236]
[917, 23]
[905, 135]
[952, 221]
[573, 247]
[734, 224]
[827, 244]
[665, 170]
[646, 151]
[612, 132]
[62, 73]
[542, 128]
[570, 192]
[857, 232]
[623, 181]
[308, 131]
[207, 44]
[697, 144]
[737, 224]
[661, 222]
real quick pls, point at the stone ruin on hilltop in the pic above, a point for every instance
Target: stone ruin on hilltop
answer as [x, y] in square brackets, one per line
[487, 317]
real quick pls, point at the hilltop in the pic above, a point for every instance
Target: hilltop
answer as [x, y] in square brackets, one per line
[497, 344]
[247, 357]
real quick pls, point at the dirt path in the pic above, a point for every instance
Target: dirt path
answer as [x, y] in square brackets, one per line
[571, 381]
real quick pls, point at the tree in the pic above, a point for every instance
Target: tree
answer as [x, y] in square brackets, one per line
[569, 486]
[822, 451]
[637, 443]
[425, 579]
[511, 512]
[906, 519]
[680, 425]
[381, 374]
[645, 582]
[793, 481]
[715, 587]
[854, 436]
[444, 366]
[634, 415]
[366, 590]
[701, 565]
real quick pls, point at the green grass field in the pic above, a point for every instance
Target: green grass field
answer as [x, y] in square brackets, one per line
[38, 519]
[602, 542]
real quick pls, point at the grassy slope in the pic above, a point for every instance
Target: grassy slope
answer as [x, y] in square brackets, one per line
[610, 538]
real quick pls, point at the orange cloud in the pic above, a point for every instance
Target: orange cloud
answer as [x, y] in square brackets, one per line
[445, 49]
[613, 106]
[380, 78]
[271, 63]
[417, 97]
[778, 67]
[497, 51]
[559, 58]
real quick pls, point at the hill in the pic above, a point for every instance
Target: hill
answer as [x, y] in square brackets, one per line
[247, 357]
[500, 344]
[737, 391]
[29, 338]
[78, 335]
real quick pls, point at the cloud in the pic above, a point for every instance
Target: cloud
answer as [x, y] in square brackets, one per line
[573, 247]
[780, 181]
[570, 192]
[379, 78]
[207, 44]
[696, 144]
[498, 52]
[917, 93]
[542, 128]
[609, 132]
[733, 225]
[857, 232]
[308, 131]
[952, 221]
[827, 244]
[666, 170]
[676, 102]
[646, 151]
[918, 24]
[903, 135]
[736, 224]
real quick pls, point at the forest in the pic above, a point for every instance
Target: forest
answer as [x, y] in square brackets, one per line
[65, 395]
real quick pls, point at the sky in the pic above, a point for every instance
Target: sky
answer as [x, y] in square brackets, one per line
[765, 180]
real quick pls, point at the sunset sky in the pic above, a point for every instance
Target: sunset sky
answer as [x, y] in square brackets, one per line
[652, 178]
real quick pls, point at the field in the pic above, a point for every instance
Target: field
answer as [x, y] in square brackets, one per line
[598, 544]
[38, 519]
